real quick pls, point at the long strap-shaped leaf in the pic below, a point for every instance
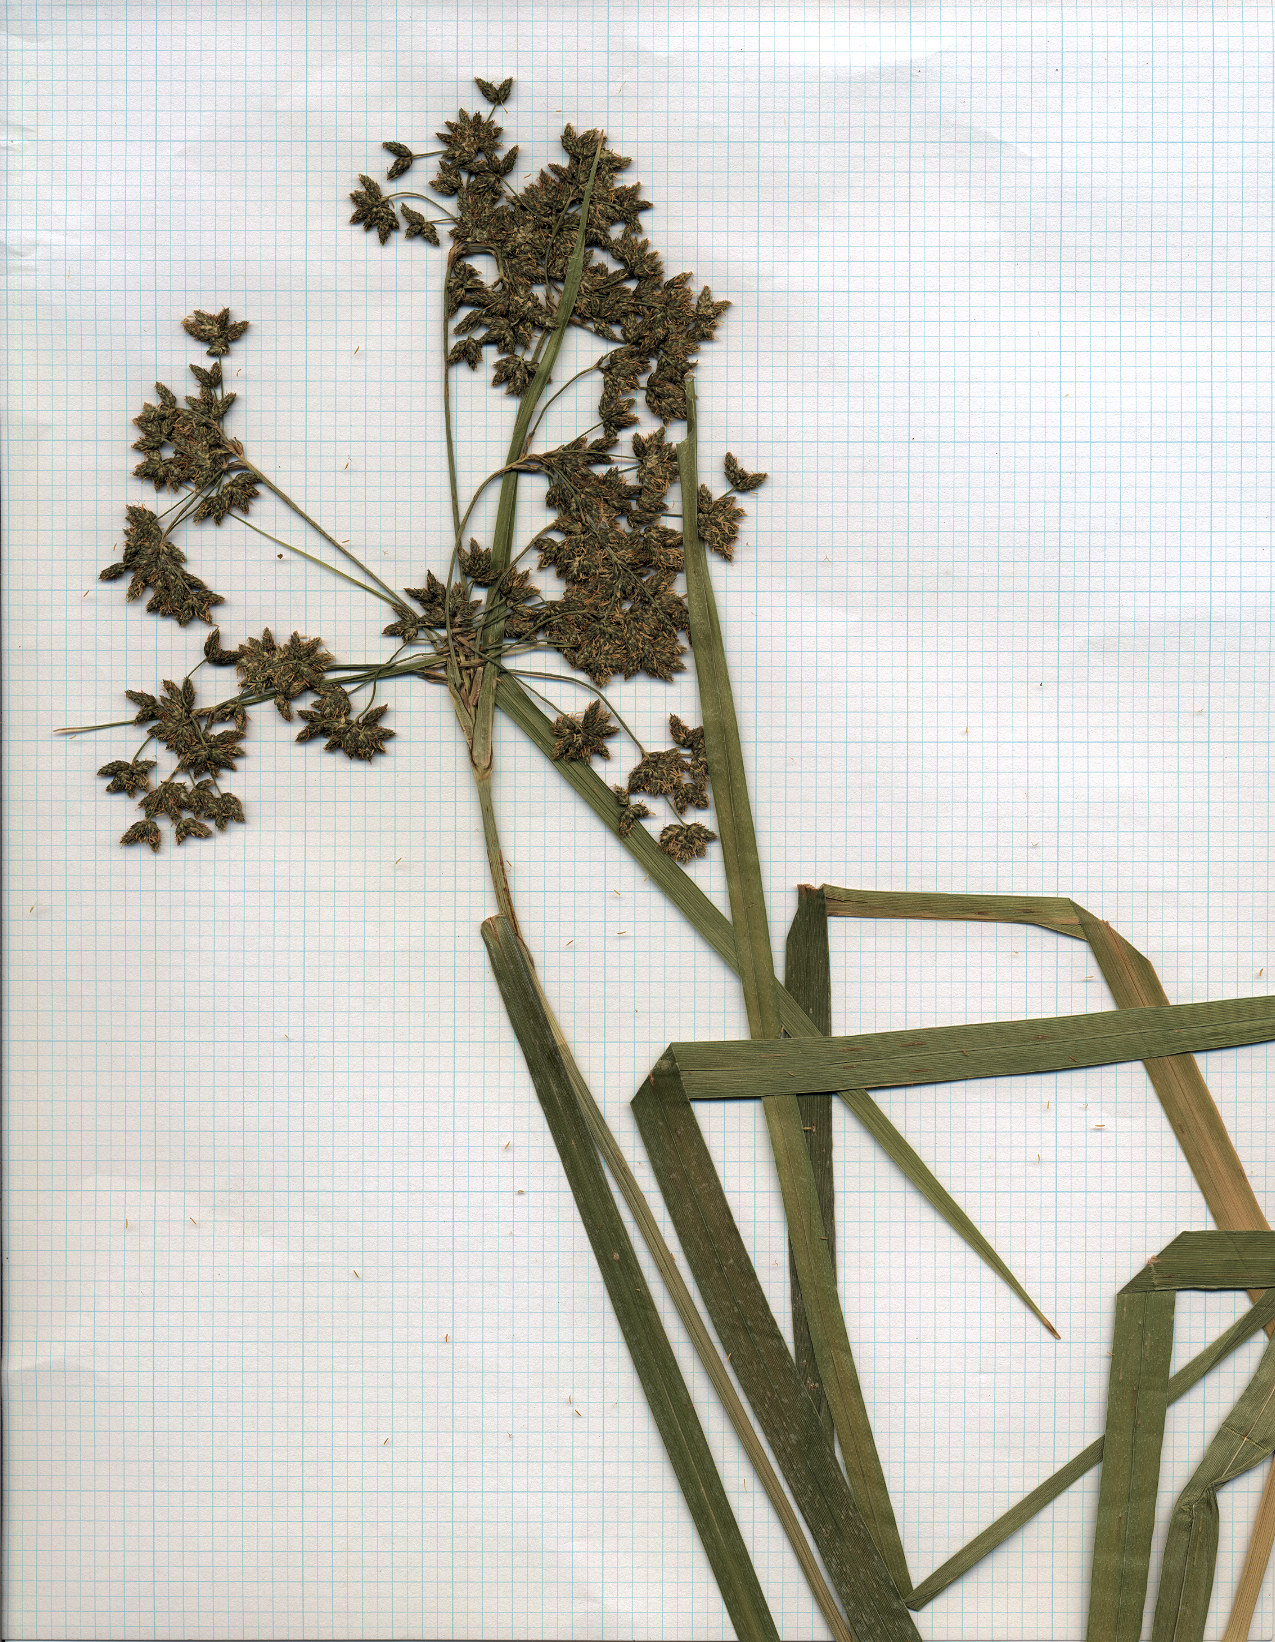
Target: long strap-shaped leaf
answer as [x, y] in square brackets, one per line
[733, 812]
[1176, 1079]
[1207, 1146]
[808, 977]
[716, 929]
[657, 1368]
[1246, 1438]
[747, 1329]
[1136, 1402]
[731, 805]
[1018, 1516]
[744, 1070]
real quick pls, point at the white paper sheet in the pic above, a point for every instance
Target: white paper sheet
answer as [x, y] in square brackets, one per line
[303, 1334]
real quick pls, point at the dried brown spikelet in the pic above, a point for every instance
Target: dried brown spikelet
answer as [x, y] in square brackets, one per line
[283, 671]
[686, 840]
[143, 832]
[417, 225]
[631, 811]
[217, 330]
[719, 520]
[495, 94]
[580, 738]
[128, 776]
[373, 210]
[403, 158]
[740, 479]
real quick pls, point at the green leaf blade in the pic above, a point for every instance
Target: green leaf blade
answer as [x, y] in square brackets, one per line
[1137, 1401]
[951, 1054]
[657, 1368]
[725, 753]
[1246, 1438]
[808, 978]
[715, 927]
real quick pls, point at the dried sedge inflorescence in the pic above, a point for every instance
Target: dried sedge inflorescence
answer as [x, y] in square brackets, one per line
[612, 541]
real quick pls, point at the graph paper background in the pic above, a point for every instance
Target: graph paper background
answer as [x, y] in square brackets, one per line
[303, 1334]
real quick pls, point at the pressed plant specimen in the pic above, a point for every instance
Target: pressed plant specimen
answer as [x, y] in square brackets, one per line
[614, 584]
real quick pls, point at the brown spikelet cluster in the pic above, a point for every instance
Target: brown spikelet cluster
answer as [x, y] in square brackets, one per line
[184, 447]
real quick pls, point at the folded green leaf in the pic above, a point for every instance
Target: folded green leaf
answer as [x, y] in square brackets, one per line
[1137, 1399]
[1210, 1260]
[1177, 1080]
[1134, 984]
[1049, 911]
[1246, 1438]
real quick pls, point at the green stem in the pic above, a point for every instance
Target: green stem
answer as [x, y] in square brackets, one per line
[452, 480]
[395, 604]
[315, 526]
[495, 857]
